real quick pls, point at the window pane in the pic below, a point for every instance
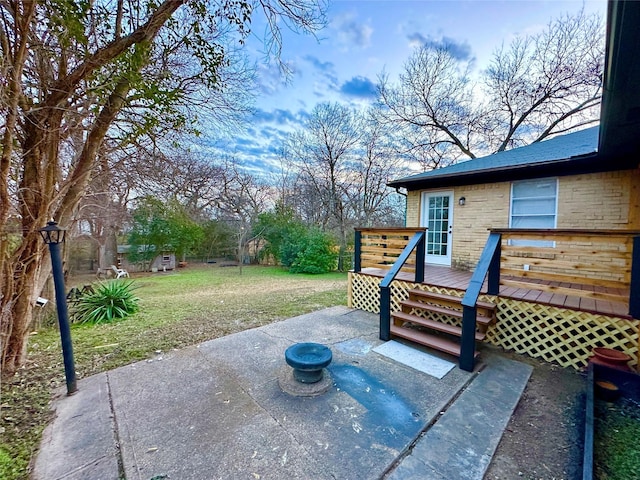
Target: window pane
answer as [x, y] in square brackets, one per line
[542, 221]
[533, 204]
[535, 188]
[540, 206]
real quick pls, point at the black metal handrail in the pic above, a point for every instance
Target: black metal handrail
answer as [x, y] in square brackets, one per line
[489, 264]
[417, 242]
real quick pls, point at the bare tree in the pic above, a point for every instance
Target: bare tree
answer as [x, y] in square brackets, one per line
[376, 164]
[102, 213]
[194, 180]
[433, 104]
[539, 85]
[343, 159]
[546, 84]
[81, 65]
[323, 151]
[243, 197]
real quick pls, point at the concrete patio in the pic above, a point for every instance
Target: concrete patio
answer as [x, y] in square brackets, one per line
[216, 411]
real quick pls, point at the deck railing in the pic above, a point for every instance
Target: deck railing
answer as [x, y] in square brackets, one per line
[596, 264]
[391, 249]
[593, 264]
[489, 264]
[381, 247]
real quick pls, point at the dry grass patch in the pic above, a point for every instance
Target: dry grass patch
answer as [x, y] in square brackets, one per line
[177, 309]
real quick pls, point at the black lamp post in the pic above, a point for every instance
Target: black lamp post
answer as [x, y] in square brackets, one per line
[54, 236]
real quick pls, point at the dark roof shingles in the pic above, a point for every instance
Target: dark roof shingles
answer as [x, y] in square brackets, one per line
[582, 142]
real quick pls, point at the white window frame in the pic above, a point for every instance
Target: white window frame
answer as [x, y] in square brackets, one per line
[535, 243]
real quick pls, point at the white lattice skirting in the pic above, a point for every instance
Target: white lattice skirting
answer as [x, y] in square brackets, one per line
[560, 335]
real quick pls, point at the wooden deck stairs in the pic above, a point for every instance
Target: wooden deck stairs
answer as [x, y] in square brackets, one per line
[434, 319]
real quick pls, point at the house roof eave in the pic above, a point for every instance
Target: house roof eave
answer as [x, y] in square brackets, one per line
[590, 163]
[620, 108]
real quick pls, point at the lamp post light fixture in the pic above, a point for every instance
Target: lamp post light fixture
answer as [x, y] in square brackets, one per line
[53, 236]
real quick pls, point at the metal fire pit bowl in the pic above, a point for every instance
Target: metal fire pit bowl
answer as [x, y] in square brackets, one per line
[307, 361]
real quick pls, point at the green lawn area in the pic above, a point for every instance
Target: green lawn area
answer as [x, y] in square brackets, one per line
[177, 309]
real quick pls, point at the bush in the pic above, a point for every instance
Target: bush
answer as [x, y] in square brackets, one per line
[281, 230]
[315, 252]
[109, 301]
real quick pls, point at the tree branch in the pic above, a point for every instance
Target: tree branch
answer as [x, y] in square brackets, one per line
[64, 87]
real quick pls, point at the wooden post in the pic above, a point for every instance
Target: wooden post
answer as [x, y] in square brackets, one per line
[493, 287]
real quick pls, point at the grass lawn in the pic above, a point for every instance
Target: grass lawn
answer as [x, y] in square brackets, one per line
[616, 434]
[178, 308]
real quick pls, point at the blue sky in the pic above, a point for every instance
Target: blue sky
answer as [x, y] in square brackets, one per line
[367, 37]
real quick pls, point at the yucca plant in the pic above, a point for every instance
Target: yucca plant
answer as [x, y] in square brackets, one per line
[108, 301]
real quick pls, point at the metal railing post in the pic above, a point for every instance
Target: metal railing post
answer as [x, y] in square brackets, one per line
[357, 252]
[385, 313]
[468, 339]
[420, 250]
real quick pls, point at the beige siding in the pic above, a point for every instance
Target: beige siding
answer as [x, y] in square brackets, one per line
[413, 209]
[486, 206]
[599, 200]
[609, 200]
[634, 214]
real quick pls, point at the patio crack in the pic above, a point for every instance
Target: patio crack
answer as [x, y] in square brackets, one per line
[116, 430]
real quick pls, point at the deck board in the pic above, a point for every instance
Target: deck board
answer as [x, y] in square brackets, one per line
[572, 302]
[446, 277]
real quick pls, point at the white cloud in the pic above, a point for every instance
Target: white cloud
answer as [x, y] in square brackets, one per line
[351, 33]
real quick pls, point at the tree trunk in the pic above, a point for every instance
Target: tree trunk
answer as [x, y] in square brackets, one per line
[18, 307]
[42, 191]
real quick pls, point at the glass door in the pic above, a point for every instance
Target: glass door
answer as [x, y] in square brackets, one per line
[437, 216]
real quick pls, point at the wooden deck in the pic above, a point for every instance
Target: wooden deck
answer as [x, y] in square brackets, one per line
[458, 279]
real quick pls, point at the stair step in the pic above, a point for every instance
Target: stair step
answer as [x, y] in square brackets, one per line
[451, 299]
[434, 325]
[481, 319]
[428, 340]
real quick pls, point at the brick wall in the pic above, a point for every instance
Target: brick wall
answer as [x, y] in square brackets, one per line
[486, 206]
[634, 200]
[413, 209]
[599, 200]
[609, 200]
